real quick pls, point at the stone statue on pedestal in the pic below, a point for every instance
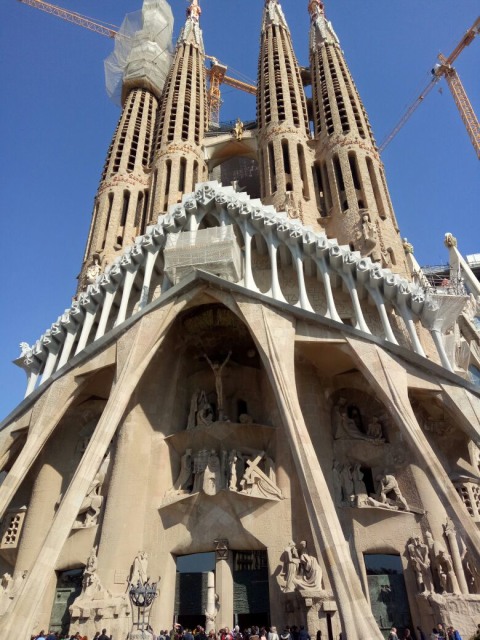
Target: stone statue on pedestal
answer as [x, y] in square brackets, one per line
[420, 559]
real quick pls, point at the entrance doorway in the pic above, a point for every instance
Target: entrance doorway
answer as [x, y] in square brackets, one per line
[191, 588]
[388, 594]
[251, 604]
[69, 587]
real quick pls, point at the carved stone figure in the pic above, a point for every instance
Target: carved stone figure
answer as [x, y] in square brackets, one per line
[420, 559]
[359, 487]
[24, 349]
[256, 483]
[200, 460]
[446, 574]
[232, 464]
[140, 568]
[388, 485]
[217, 372]
[310, 571]
[9, 588]
[238, 129]
[95, 600]
[472, 573]
[184, 481]
[91, 505]
[370, 238]
[337, 483]
[347, 484]
[374, 429]
[344, 425]
[212, 477]
[291, 563]
[407, 246]
[93, 271]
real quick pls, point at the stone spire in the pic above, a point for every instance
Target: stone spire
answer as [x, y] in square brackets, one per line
[352, 194]
[178, 162]
[284, 156]
[122, 202]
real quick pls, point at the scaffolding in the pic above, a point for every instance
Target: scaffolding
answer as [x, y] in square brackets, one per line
[215, 250]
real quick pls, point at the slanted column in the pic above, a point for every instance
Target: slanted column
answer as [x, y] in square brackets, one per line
[275, 337]
[126, 500]
[224, 583]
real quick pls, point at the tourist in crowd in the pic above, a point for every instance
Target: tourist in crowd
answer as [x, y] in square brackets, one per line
[393, 634]
[435, 635]
[303, 634]
[407, 635]
[453, 634]
[272, 634]
[285, 635]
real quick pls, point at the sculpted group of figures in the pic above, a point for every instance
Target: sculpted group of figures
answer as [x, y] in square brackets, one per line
[348, 423]
[301, 571]
[96, 601]
[350, 489]
[437, 570]
[206, 471]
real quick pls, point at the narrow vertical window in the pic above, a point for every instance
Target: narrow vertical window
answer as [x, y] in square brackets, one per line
[376, 190]
[303, 171]
[181, 177]
[126, 201]
[107, 221]
[271, 164]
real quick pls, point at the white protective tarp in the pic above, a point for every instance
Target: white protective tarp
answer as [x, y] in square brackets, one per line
[143, 48]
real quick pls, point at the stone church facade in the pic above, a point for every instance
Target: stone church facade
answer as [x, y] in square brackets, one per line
[270, 380]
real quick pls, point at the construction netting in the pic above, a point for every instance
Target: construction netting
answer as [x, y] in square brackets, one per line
[143, 48]
[215, 250]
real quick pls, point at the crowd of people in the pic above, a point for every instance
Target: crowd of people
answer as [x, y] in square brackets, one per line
[440, 632]
[198, 633]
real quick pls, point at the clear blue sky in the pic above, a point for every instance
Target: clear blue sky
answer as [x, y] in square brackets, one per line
[56, 124]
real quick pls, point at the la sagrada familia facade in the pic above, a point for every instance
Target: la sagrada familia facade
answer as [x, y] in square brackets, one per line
[269, 380]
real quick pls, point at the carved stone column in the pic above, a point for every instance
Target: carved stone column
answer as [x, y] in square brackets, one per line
[224, 583]
[456, 559]
[211, 611]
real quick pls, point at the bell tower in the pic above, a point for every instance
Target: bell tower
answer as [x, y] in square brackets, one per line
[350, 184]
[178, 161]
[122, 203]
[283, 128]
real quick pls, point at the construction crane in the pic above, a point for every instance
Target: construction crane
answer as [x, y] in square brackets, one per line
[75, 18]
[464, 106]
[216, 73]
[217, 76]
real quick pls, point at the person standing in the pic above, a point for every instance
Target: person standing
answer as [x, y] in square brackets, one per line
[393, 634]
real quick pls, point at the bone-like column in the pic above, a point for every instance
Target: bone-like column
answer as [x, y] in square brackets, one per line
[148, 336]
[58, 399]
[388, 378]
[125, 506]
[275, 337]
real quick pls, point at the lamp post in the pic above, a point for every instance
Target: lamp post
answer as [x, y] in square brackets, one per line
[142, 596]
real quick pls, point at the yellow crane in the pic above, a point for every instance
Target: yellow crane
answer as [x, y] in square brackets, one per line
[445, 70]
[216, 72]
